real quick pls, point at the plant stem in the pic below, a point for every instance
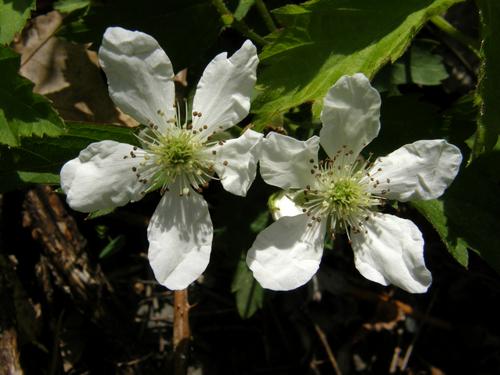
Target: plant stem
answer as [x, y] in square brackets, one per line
[266, 16]
[452, 31]
[182, 332]
[230, 21]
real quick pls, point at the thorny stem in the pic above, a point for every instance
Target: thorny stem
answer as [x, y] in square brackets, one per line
[182, 332]
[266, 16]
[230, 21]
[452, 31]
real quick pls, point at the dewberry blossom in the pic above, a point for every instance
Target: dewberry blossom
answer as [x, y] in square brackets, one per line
[343, 192]
[179, 158]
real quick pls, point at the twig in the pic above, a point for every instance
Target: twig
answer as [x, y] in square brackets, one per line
[182, 333]
[230, 21]
[456, 34]
[328, 349]
[266, 16]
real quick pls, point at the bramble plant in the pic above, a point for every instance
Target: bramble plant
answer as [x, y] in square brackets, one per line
[358, 141]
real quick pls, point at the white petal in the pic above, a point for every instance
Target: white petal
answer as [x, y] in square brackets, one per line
[286, 162]
[287, 254]
[101, 178]
[284, 205]
[223, 93]
[180, 239]
[391, 252]
[420, 170]
[236, 162]
[140, 75]
[350, 116]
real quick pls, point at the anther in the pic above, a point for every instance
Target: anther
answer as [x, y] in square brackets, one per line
[214, 152]
[311, 160]
[205, 126]
[134, 169]
[388, 181]
[225, 162]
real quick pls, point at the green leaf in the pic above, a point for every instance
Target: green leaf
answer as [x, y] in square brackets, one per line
[116, 244]
[472, 205]
[39, 160]
[260, 222]
[243, 8]
[488, 90]
[13, 17]
[433, 211]
[68, 6]
[426, 67]
[249, 294]
[418, 65]
[325, 39]
[99, 213]
[22, 113]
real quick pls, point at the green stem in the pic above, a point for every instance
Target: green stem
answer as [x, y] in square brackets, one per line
[230, 21]
[452, 31]
[266, 16]
[479, 141]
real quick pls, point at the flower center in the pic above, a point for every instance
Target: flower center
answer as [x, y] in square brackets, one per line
[341, 193]
[175, 153]
[178, 151]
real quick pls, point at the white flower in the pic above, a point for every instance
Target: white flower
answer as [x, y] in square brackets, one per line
[342, 193]
[178, 158]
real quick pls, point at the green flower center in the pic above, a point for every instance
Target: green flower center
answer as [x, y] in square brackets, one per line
[341, 194]
[344, 194]
[178, 152]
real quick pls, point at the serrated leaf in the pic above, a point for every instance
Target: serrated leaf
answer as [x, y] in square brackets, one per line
[13, 17]
[325, 39]
[39, 160]
[433, 211]
[488, 90]
[23, 113]
[249, 294]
